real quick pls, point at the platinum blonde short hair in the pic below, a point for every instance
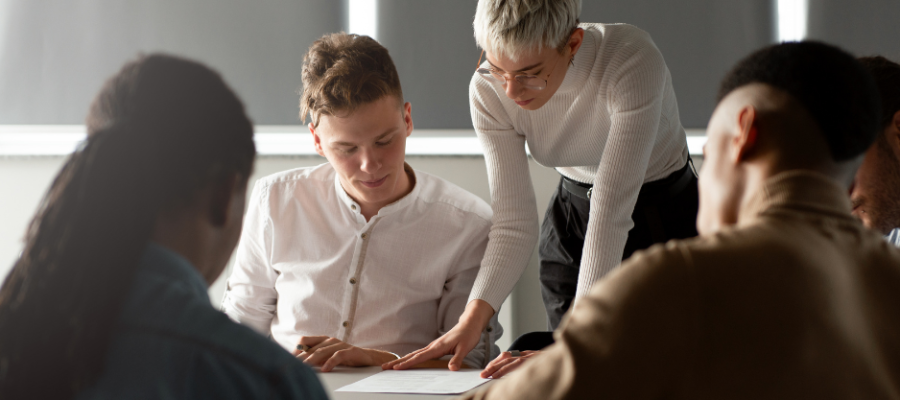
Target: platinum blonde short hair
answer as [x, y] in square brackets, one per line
[506, 28]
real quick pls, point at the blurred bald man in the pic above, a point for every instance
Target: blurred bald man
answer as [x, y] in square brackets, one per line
[876, 192]
[784, 295]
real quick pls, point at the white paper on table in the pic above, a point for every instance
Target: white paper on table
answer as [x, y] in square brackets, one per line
[418, 381]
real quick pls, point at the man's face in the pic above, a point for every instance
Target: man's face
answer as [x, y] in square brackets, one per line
[720, 178]
[367, 150]
[875, 194]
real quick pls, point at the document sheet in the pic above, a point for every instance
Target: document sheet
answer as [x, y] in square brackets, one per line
[418, 381]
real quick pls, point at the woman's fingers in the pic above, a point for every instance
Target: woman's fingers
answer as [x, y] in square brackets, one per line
[417, 357]
[458, 341]
[506, 363]
[492, 371]
[510, 366]
[501, 360]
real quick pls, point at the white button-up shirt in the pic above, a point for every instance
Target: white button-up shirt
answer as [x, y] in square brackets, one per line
[309, 263]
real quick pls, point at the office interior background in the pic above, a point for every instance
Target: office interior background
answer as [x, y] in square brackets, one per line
[55, 55]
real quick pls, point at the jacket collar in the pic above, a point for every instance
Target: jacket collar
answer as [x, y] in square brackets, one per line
[802, 191]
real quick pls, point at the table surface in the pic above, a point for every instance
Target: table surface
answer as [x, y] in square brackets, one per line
[343, 376]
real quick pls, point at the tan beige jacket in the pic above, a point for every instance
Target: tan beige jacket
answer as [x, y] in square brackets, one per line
[799, 301]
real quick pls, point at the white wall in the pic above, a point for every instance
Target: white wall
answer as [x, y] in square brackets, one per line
[24, 181]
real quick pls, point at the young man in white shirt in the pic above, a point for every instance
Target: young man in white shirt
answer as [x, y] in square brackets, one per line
[360, 260]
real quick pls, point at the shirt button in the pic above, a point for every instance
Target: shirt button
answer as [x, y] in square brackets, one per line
[345, 324]
[352, 281]
[353, 207]
[364, 235]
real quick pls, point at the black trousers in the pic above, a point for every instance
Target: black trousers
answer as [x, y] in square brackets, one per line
[665, 209]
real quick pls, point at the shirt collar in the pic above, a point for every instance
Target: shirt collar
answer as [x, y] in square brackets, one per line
[799, 191]
[578, 73]
[400, 204]
[159, 260]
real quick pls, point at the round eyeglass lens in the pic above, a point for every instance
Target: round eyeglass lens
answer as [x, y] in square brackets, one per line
[529, 81]
[532, 82]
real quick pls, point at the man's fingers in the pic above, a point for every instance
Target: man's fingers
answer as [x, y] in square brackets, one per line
[307, 343]
[318, 356]
[312, 340]
[336, 359]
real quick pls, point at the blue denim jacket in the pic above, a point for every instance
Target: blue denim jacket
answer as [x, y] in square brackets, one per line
[171, 343]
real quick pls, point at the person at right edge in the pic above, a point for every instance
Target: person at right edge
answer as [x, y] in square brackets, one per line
[596, 102]
[875, 194]
[784, 295]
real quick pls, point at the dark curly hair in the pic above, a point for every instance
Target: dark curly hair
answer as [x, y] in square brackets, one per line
[887, 79]
[160, 130]
[829, 83]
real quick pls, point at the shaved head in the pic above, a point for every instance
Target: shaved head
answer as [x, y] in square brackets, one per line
[792, 106]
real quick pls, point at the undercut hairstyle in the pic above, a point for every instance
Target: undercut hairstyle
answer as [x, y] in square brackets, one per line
[161, 130]
[342, 72]
[507, 28]
[887, 80]
[827, 82]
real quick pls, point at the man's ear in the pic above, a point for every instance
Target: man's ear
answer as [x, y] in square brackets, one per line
[221, 195]
[407, 118]
[893, 133]
[317, 141]
[745, 141]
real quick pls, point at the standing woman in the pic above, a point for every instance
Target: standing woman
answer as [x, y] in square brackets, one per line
[595, 102]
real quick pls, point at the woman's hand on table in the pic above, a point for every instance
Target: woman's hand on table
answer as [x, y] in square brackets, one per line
[328, 352]
[459, 340]
[507, 362]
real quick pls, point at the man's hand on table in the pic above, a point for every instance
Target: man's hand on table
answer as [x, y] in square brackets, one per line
[328, 352]
[506, 363]
[458, 341]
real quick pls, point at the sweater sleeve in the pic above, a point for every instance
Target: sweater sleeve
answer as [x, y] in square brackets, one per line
[458, 287]
[514, 228]
[635, 103]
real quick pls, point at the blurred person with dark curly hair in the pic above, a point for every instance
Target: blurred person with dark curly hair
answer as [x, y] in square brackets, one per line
[109, 298]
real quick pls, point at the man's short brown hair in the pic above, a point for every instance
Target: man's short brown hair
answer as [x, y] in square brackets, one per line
[344, 71]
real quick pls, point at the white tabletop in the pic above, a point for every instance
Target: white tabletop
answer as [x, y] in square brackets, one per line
[343, 376]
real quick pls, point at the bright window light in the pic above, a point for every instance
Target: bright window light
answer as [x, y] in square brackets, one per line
[271, 140]
[792, 20]
[362, 17]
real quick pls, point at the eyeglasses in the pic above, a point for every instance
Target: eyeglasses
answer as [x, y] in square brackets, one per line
[532, 82]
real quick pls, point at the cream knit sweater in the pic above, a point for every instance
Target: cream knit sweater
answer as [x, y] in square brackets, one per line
[613, 123]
